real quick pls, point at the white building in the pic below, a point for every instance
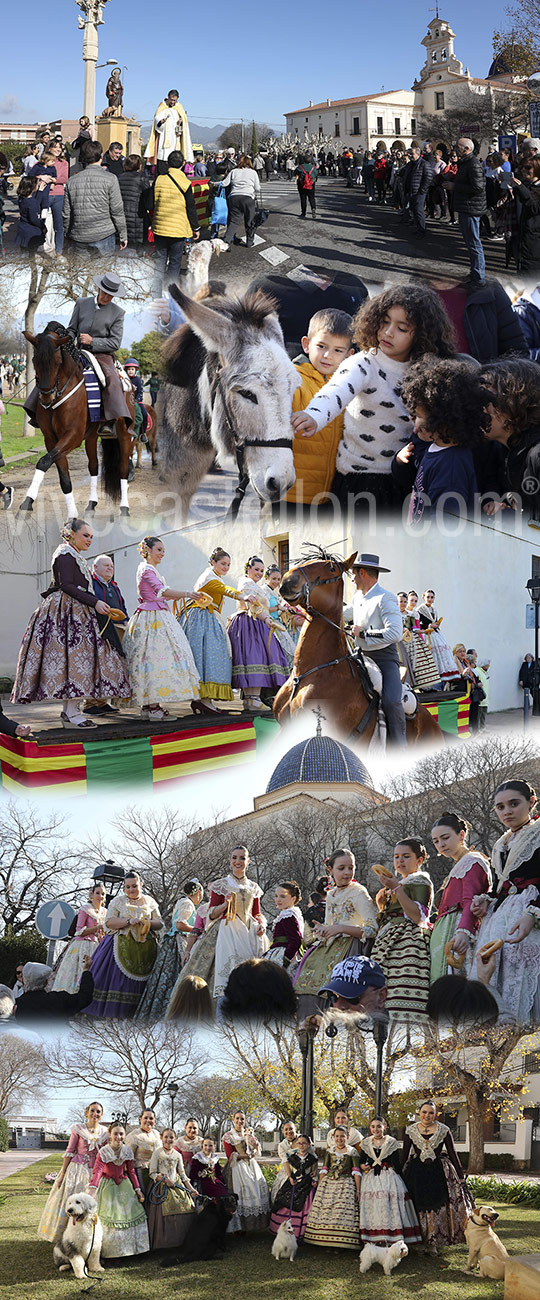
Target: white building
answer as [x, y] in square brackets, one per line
[27, 1131]
[390, 119]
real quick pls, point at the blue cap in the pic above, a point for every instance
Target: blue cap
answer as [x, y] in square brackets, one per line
[352, 976]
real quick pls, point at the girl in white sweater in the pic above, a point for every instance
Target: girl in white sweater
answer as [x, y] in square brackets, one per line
[392, 330]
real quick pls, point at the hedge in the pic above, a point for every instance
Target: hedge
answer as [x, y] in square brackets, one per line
[15, 948]
[4, 1134]
[519, 1192]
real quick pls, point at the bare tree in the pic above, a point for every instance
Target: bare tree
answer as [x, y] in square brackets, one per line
[34, 863]
[210, 1100]
[483, 117]
[24, 1073]
[134, 1060]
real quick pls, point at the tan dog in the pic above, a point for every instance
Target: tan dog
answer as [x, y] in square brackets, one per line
[485, 1247]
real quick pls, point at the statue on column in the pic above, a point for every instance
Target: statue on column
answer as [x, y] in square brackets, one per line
[114, 91]
[170, 130]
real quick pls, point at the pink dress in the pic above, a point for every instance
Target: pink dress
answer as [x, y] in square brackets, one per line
[83, 1147]
[161, 666]
[470, 876]
[69, 973]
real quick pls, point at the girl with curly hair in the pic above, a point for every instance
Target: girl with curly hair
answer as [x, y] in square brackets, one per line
[447, 401]
[159, 658]
[63, 656]
[392, 330]
[511, 391]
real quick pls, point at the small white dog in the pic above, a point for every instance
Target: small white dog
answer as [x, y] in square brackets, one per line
[80, 1245]
[387, 1256]
[285, 1244]
[198, 263]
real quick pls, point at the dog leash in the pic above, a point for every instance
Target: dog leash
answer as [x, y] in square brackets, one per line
[97, 1277]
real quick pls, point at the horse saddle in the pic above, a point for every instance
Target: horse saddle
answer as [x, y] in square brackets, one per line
[91, 360]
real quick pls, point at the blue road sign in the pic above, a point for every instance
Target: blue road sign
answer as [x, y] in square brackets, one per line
[53, 919]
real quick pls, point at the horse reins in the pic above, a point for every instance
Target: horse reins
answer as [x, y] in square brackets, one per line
[239, 446]
[58, 392]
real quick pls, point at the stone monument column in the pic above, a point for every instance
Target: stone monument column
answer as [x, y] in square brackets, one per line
[89, 20]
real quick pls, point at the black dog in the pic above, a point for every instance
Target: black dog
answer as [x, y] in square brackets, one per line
[207, 1237]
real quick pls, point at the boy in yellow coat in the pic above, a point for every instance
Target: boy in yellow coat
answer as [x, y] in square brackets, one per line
[327, 343]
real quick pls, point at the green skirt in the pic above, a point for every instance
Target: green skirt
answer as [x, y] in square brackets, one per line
[125, 1231]
[319, 963]
[442, 932]
[135, 959]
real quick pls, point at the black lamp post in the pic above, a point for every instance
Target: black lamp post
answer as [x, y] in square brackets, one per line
[172, 1091]
[110, 874]
[377, 1025]
[533, 588]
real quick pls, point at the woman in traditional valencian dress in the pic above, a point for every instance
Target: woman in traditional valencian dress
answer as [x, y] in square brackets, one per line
[440, 649]
[206, 1173]
[280, 612]
[424, 669]
[387, 1213]
[333, 1219]
[199, 959]
[288, 927]
[235, 902]
[342, 1120]
[170, 1199]
[286, 1147]
[189, 1143]
[143, 1141]
[470, 875]
[63, 656]
[159, 659]
[125, 957]
[74, 1176]
[89, 932]
[258, 659]
[206, 630]
[244, 1175]
[350, 919]
[294, 1197]
[434, 1176]
[511, 913]
[402, 943]
[120, 1199]
[168, 964]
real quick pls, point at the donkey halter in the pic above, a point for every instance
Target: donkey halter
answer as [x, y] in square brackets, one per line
[241, 444]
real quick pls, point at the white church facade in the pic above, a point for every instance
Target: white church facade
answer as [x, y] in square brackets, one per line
[391, 119]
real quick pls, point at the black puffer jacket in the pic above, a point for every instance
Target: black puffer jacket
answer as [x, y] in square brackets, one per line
[529, 227]
[522, 467]
[132, 187]
[470, 187]
[490, 323]
[420, 177]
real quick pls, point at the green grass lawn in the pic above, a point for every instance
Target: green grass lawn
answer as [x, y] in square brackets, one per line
[13, 440]
[248, 1271]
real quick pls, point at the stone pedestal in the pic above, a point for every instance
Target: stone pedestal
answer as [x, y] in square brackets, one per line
[522, 1278]
[126, 130]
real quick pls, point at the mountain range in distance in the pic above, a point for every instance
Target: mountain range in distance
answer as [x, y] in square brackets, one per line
[206, 135]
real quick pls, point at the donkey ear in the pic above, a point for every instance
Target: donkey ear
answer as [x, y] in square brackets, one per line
[347, 564]
[31, 337]
[216, 332]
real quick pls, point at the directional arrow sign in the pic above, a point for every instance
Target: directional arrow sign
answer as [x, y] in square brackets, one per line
[53, 919]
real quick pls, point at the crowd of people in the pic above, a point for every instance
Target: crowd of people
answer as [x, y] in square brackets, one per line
[178, 649]
[366, 1189]
[398, 949]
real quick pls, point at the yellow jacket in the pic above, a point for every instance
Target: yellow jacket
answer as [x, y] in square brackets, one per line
[175, 214]
[314, 458]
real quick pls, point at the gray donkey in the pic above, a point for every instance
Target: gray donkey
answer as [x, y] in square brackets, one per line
[228, 391]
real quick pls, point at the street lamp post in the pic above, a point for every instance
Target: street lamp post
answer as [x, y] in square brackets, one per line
[533, 587]
[172, 1091]
[109, 873]
[306, 1036]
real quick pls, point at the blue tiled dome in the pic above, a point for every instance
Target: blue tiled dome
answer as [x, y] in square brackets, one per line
[316, 761]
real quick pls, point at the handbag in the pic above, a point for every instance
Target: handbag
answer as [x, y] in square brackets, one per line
[261, 215]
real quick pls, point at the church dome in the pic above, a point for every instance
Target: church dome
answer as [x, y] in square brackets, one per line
[319, 760]
[500, 66]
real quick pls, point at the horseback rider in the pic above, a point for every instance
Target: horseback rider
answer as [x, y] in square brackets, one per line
[378, 628]
[97, 326]
[131, 367]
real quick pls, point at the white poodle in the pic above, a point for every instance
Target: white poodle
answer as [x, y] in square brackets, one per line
[80, 1245]
[285, 1244]
[387, 1256]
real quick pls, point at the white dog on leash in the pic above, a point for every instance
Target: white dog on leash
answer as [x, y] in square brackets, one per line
[80, 1245]
[387, 1256]
[285, 1244]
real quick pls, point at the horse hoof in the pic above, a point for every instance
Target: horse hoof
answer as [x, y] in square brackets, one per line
[124, 510]
[90, 507]
[26, 505]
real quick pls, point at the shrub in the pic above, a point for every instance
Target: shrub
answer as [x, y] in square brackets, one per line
[26, 946]
[270, 1173]
[4, 1134]
[488, 1190]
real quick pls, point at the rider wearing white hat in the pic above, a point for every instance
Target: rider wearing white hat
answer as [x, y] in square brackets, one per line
[378, 627]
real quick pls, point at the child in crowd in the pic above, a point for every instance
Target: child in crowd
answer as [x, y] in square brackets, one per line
[447, 400]
[327, 343]
[31, 229]
[392, 330]
[295, 1196]
[288, 929]
[206, 1172]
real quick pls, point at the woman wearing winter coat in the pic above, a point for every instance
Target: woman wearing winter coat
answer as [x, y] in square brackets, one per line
[133, 187]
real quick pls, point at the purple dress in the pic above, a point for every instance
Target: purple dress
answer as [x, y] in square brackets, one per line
[258, 659]
[122, 965]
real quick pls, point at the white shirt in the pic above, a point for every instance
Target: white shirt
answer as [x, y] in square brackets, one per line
[377, 614]
[367, 388]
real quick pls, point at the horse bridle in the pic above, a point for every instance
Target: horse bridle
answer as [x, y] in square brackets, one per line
[240, 445]
[56, 391]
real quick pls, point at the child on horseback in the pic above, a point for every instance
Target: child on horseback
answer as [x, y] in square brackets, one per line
[131, 367]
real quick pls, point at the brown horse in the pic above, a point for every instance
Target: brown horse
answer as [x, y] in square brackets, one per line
[325, 670]
[63, 417]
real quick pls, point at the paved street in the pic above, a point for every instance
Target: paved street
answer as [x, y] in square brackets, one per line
[349, 234]
[12, 1161]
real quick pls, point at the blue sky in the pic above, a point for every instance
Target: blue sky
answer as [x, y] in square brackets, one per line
[229, 62]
